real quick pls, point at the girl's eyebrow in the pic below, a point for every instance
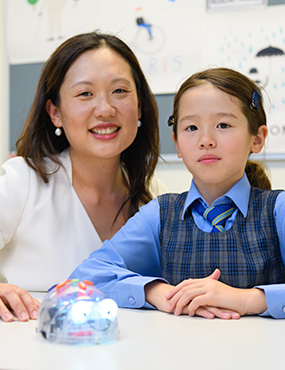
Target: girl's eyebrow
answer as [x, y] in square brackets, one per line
[219, 114]
[226, 114]
[189, 117]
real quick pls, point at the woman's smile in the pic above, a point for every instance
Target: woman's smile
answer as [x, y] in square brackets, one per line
[105, 131]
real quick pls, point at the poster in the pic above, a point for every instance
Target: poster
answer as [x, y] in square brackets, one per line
[256, 49]
[159, 32]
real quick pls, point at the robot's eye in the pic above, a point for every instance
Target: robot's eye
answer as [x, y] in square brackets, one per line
[80, 311]
[108, 309]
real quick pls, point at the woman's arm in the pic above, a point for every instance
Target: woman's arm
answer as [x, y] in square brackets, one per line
[14, 185]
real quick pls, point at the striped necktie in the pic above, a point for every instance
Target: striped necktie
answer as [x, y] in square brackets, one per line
[216, 215]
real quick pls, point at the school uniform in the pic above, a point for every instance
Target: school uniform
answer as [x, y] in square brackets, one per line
[169, 240]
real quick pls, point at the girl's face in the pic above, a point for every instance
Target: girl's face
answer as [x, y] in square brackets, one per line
[99, 108]
[213, 139]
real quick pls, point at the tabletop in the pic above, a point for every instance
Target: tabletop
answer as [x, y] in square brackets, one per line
[153, 340]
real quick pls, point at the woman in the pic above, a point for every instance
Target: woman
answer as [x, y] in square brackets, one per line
[85, 161]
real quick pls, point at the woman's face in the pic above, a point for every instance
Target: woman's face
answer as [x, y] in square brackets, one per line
[99, 107]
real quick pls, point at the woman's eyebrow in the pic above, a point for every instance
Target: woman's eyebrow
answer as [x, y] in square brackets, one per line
[122, 79]
[81, 83]
[89, 83]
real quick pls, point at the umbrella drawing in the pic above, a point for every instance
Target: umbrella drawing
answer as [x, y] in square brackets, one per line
[269, 52]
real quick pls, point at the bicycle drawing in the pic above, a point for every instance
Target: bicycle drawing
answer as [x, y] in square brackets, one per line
[149, 38]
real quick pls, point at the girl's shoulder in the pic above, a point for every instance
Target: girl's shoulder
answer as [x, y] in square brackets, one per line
[281, 198]
[172, 200]
[266, 193]
[264, 198]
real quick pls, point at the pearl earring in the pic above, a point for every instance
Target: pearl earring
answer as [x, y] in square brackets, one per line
[58, 131]
[139, 123]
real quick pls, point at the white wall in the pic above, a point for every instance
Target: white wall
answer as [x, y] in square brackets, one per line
[4, 88]
[1, 83]
[277, 171]
[173, 174]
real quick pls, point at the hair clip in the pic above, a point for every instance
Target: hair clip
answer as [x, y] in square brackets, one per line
[170, 121]
[255, 100]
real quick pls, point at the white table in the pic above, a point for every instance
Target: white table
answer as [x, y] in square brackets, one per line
[153, 340]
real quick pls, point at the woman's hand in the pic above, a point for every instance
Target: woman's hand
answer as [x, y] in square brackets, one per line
[18, 300]
[201, 296]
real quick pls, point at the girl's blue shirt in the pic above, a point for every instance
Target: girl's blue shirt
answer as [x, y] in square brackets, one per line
[131, 259]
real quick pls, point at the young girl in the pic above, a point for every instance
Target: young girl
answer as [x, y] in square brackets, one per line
[169, 255]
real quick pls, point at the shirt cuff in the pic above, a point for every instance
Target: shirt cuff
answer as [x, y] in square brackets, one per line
[275, 299]
[131, 294]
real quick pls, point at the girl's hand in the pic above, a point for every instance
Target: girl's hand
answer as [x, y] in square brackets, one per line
[18, 300]
[208, 312]
[176, 293]
[198, 295]
[156, 292]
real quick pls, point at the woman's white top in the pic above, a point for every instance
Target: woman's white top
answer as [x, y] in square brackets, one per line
[45, 231]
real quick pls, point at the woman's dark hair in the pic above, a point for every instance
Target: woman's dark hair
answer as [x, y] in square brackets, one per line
[38, 139]
[238, 85]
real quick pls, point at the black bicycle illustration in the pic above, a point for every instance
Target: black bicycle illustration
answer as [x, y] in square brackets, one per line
[149, 38]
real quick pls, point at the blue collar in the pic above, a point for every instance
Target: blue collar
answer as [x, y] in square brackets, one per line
[239, 194]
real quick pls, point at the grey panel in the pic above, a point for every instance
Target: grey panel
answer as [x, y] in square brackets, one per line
[23, 83]
[276, 2]
[165, 105]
